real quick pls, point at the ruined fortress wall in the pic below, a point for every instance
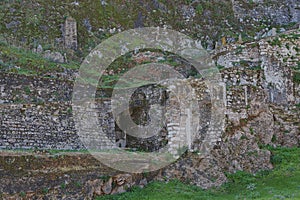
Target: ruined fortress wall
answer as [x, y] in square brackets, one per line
[37, 113]
[47, 126]
[261, 103]
[20, 89]
[38, 126]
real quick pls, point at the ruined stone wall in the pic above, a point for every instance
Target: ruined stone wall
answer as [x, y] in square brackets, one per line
[38, 126]
[37, 113]
[46, 126]
[262, 100]
[261, 109]
[279, 12]
[141, 102]
[16, 88]
[265, 64]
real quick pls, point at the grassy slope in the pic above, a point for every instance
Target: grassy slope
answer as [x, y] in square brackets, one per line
[28, 63]
[39, 21]
[116, 13]
[281, 183]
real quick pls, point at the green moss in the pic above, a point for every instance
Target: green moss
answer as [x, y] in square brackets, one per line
[242, 63]
[239, 50]
[258, 67]
[244, 137]
[275, 42]
[287, 46]
[27, 90]
[22, 194]
[274, 139]
[104, 178]
[255, 44]
[296, 77]
[251, 130]
[220, 67]
[296, 71]
[78, 184]
[45, 190]
[199, 9]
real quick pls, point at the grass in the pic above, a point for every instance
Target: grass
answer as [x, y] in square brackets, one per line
[275, 42]
[40, 19]
[21, 61]
[256, 68]
[281, 183]
[29, 63]
[296, 77]
[49, 151]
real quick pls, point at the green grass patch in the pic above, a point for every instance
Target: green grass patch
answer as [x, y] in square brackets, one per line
[256, 68]
[296, 77]
[275, 42]
[21, 61]
[239, 50]
[281, 183]
[220, 67]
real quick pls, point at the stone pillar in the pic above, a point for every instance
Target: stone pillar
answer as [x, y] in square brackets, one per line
[70, 33]
[273, 32]
[240, 41]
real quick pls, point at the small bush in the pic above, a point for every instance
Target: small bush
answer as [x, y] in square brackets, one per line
[296, 77]
[275, 42]
[276, 159]
[199, 9]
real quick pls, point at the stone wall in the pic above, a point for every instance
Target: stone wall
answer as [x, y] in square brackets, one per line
[252, 72]
[265, 64]
[262, 101]
[47, 126]
[70, 33]
[30, 89]
[261, 109]
[280, 12]
[36, 112]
